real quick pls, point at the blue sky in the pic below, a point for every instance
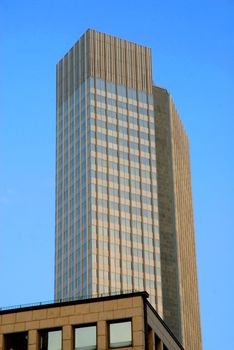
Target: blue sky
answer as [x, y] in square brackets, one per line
[193, 57]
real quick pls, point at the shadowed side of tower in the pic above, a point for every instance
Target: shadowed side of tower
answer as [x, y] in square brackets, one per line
[177, 241]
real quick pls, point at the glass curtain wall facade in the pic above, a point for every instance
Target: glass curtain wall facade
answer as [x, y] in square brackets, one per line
[107, 229]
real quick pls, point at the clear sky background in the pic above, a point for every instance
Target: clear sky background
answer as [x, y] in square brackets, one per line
[193, 57]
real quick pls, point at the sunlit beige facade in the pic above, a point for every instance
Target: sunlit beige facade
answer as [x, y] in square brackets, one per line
[107, 232]
[87, 324]
[108, 228]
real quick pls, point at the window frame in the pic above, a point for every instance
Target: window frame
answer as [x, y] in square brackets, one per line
[122, 320]
[8, 335]
[39, 331]
[84, 325]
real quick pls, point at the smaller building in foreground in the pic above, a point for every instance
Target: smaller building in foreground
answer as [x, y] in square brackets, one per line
[126, 321]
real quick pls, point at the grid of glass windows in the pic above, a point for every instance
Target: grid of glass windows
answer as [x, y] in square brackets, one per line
[106, 182]
[72, 233]
[107, 237]
[124, 189]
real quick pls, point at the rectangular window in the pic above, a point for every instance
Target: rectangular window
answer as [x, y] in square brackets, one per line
[86, 338]
[51, 340]
[16, 341]
[120, 334]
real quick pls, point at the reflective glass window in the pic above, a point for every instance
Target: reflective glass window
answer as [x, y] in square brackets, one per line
[120, 334]
[85, 338]
[51, 340]
[121, 90]
[111, 87]
[132, 94]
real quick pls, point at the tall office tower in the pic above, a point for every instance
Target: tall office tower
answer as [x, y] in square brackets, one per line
[108, 232]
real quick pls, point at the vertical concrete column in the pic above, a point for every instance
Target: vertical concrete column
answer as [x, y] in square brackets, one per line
[138, 332]
[158, 343]
[33, 340]
[151, 340]
[67, 337]
[1, 341]
[102, 338]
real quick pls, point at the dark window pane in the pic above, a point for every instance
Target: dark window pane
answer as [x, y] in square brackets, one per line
[16, 341]
[85, 338]
[120, 334]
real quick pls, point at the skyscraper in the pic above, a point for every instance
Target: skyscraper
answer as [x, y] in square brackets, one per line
[124, 218]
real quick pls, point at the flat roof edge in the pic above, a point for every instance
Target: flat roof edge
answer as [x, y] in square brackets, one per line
[57, 303]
